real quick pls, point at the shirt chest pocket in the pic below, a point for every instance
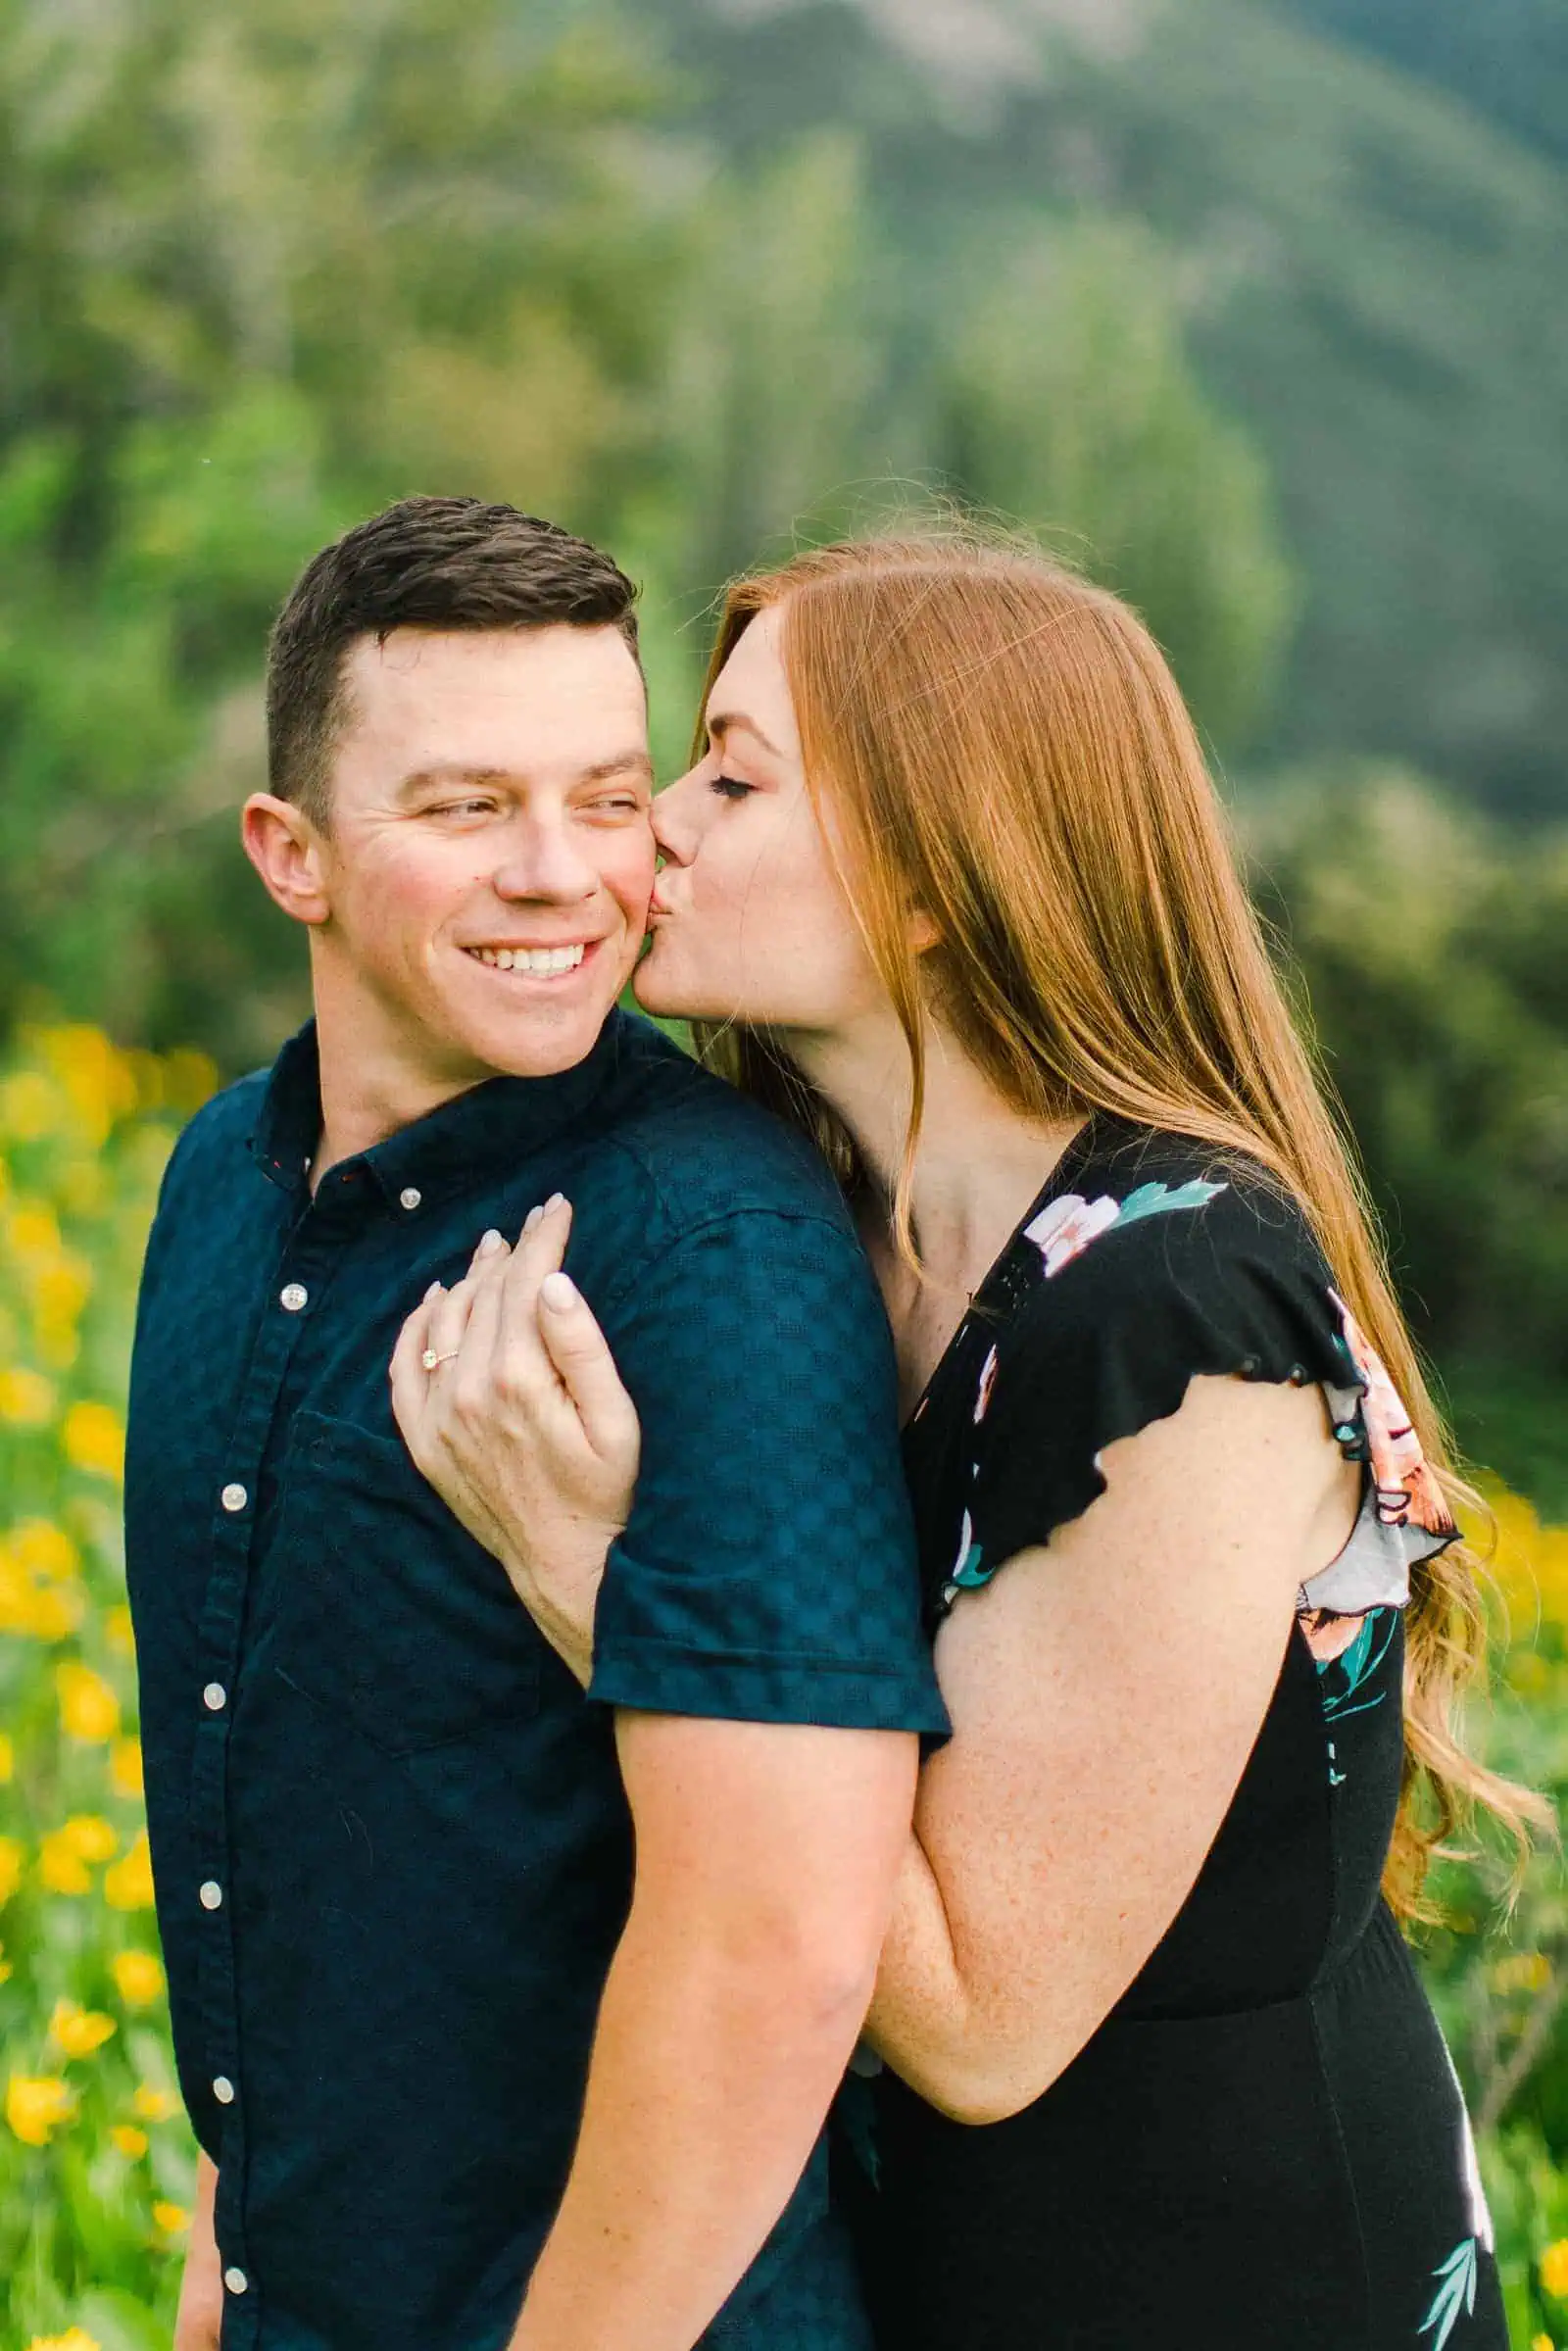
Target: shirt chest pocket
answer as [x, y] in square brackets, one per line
[383, 1607]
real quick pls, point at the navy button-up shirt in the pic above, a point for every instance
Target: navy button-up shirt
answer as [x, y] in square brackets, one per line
[392, 1852]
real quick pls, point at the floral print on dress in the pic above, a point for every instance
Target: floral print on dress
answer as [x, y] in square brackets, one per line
[1455, 2277]
[969, 1572]
[1408, 1493]
[1065, 1227]
[988, 1381]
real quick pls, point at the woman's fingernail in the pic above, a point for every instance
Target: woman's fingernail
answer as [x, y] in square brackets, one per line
[560, 1291]
[489, 1243]
[557, 1200]
[435, 1290]
[531, 1219]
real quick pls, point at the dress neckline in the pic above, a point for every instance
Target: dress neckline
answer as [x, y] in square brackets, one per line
[1070, 1163]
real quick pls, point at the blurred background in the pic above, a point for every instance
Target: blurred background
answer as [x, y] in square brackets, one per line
[1255, 310]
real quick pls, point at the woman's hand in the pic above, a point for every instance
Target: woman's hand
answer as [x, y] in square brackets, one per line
[509, 1402]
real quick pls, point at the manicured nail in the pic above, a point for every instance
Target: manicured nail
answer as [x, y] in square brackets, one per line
[531, 1219]
[489, 1243]
[557, 1200]
[558, 1292]
[436, 1290]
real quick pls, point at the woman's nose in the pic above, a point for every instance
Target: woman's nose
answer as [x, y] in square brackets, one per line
[675, 815]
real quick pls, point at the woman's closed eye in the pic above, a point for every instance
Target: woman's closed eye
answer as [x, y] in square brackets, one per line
[730, 786]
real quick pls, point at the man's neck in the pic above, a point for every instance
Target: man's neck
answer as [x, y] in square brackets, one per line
[371, 1088]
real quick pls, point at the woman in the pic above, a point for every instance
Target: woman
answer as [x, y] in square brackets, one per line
[949, 886]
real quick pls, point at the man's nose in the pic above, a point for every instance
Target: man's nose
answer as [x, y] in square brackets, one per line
[543, 861]
[674, 815]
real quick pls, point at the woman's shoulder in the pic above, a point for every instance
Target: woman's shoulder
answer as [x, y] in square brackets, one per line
[1154, 1214]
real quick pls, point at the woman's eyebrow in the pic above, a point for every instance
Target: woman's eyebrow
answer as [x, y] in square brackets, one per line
[724, 722]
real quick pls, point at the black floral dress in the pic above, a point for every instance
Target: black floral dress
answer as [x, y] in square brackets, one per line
[1264, 2146]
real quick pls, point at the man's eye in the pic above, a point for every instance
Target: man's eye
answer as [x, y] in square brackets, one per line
[731, 787]
[462, 808]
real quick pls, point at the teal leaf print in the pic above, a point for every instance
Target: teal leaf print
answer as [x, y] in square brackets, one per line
[1065, 1227]
[1456, 2290]
[1152, 1200]
[970, 1573]
[1358, 1666]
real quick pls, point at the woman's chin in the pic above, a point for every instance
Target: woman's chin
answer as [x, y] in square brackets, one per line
[659, 995]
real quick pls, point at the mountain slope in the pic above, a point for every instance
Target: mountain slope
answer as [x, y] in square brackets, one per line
[1369, 272]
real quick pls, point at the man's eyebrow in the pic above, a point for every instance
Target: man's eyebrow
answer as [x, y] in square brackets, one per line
[724, 722]
[443, 774]
[625, 762]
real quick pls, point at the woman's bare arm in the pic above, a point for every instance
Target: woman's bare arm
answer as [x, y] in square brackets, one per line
[1106, 1693]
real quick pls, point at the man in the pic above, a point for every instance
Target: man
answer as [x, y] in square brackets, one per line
[400, 1856]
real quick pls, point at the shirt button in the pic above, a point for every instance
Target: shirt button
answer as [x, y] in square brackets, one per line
[212, 1894]
[293, 1296]
[215, 1697]
[223, 2090]
[411, 1199]
[233, 1498]
[235, 2281]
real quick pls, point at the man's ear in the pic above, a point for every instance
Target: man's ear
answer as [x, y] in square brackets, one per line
[289, 855]
[923, 932]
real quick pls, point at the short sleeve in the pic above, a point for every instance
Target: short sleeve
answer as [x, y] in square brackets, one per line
[1123, 1303]
[768, 1572]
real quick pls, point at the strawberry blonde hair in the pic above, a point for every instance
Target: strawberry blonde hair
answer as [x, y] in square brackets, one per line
[1003, 744]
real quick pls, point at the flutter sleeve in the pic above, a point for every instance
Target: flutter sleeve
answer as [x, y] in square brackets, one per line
[1120, 1298]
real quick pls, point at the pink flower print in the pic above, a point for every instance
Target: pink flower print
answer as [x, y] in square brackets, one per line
[1408, 1494]
[988, 1381]
[1063, 1230]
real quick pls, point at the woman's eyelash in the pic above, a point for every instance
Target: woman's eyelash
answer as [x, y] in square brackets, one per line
[731, 787]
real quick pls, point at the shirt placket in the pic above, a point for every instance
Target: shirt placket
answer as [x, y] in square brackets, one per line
[297, 1285]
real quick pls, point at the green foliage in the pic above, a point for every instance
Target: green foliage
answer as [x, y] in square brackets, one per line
[1436, 956]
[1358, 260]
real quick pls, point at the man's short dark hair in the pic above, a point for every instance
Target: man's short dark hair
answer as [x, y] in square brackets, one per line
[425, 562]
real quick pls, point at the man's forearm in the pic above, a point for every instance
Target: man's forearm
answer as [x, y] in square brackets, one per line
[711, 2072]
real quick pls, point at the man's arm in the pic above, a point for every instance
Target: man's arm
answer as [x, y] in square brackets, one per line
[767, 1855]
[199, 2320]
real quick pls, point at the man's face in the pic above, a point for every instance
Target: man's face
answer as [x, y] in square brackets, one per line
[490, 855]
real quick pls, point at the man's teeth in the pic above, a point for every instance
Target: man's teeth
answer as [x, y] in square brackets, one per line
[540, 960]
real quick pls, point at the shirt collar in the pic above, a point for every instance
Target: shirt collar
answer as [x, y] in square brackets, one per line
[448, 1150]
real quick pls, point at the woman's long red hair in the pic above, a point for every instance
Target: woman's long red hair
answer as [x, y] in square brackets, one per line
[1003, 744]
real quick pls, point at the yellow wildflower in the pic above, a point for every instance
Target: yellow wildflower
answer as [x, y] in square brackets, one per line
[10, 1857]
[61, 1291]
[61, 1867]
[88, 1708]
[78, 2032]
[128, 1885]
[36, 2104]
[33, 1231]
[5, 1971]
[99, 1081]
[64, 1854]
[94, 1439]
[44, 1549]
[125, 1768]
[26, 1397]
[1541, 2342]
[138, 1977]
[1554, 2268]
[7, 1758]
[172, 2219]
[153, 2105]
[28, 1105]
[131, 2142]
[118, 1633]
[75, 2338]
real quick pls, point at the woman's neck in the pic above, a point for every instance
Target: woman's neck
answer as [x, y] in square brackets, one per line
[978, 1163]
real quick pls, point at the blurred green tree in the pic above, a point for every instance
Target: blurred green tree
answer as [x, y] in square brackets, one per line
[1435, 950]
